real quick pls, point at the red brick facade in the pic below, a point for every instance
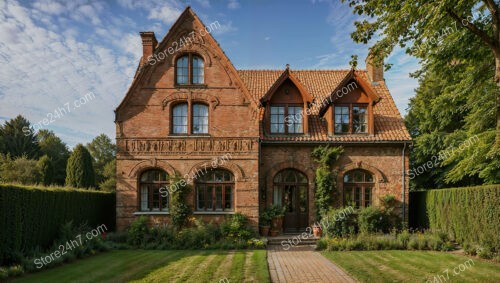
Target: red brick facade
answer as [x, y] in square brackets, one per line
[238, 105]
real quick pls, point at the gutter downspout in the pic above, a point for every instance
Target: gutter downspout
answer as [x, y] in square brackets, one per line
[403, 181]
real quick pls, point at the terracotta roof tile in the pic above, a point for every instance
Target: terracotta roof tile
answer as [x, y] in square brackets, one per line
[388, 123]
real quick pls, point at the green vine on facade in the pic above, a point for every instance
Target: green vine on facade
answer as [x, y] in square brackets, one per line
[179, 209]
[325, 178]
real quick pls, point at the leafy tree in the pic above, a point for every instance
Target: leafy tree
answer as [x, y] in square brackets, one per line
[426, 23]
[18, 138]
[109, 184]
[46, 170]
[58, 152]
[79, 171]
[19, 170]
[103, 151]
[456, 101]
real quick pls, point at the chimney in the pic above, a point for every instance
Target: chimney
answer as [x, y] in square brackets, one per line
[375, 69]
[149, 43]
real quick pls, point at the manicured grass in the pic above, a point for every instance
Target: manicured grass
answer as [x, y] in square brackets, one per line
[161, 266]
[414, 266]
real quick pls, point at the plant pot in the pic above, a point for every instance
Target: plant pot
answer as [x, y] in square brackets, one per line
[274, 233]
[264, 230]
[317, 231]
[277, 223]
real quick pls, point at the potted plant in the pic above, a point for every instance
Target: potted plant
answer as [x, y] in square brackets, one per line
[277, 212]
[264, 222]
[317, 231]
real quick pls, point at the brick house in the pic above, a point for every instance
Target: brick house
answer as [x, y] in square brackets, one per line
[243, 138]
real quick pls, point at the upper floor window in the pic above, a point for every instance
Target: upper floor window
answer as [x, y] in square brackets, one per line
[180, 118]
[151, 198]
[194, 121]
[200, 118]
[358, 186]
[190, 70]
[351, 119]
[286, 119]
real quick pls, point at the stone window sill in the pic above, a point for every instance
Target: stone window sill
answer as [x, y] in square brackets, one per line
[213, 212]
[151, 213]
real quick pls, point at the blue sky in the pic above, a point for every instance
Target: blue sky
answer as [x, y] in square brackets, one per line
[53, 53]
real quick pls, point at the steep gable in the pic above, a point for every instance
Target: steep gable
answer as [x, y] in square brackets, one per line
[176, 40]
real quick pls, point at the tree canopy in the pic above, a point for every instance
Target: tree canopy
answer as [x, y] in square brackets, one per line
[457, 101]
[80, 171]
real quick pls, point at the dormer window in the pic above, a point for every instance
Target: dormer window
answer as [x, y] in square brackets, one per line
[351, 119]
[189, 70]
[286, 119]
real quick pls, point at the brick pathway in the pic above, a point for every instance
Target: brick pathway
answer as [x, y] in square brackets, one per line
[302, 264]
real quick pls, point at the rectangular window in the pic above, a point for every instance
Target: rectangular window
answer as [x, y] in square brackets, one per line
[200, 119]
[197, 70]
[341, 119]
[277, 195]
[180, 119]
[144, 198]
[357, 197]
[368, 197]
[359, 119]
[294, 120]
[277, 119]
[183, 70]
[214, 198]
[228, 198]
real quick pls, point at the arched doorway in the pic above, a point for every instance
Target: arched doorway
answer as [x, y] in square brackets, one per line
[290, 190]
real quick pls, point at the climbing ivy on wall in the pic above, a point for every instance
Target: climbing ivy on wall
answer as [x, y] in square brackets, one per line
[325, 178]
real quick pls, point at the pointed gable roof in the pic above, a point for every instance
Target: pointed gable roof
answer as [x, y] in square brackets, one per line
[351, 76]
[287, 74]
[187, 14]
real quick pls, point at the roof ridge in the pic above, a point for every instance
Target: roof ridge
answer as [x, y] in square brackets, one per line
[303, 70]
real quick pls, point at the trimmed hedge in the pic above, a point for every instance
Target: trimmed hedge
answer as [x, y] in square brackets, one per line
[32, 217]
[468, 215]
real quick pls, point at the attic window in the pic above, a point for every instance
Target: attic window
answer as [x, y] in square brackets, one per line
[189, 70]
[351, 118]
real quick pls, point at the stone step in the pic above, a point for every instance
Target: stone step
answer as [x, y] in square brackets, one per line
[292, 240]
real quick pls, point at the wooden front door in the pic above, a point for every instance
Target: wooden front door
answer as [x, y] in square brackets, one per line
[291, 190]
[295, 202]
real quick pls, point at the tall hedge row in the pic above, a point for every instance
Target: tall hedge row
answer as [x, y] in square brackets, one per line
[32, 216]
[470, 214]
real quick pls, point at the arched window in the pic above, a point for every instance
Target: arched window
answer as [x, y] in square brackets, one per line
[215, 191]
[151, 198]
[200, 118]
[189, 70]
[358, 187]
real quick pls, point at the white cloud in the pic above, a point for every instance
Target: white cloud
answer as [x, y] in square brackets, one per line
[233, 4]
[204, 3]
[43, 69]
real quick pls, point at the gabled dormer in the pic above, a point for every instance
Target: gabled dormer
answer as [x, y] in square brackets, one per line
[349, 108]
[285, 104]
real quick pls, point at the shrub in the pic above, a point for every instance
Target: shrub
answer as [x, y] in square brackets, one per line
[236, 227]
[179, 210]
[373, 219]
[338, 223]
[31, 223]
[138, 232]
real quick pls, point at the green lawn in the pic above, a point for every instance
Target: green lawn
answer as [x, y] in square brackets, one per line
[161, 266]
[414, 266]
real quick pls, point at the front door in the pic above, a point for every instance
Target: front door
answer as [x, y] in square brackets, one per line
[291, 190]
[295, 202]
